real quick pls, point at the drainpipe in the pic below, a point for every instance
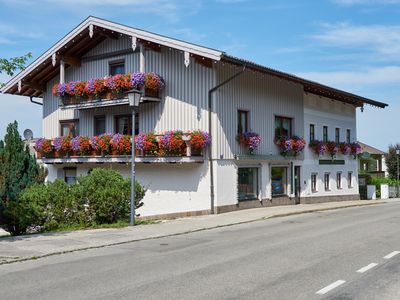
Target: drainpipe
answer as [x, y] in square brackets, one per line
[210, 108]
[35, 102]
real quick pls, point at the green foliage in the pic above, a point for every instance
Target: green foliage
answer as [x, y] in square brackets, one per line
[18, 170]
[107, 194]
[391, 161]
[12, 65]
[103, 197]
[377, 181]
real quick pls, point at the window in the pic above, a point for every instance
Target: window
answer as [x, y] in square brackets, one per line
[99, 125]
[278, 181]
[69, 128]
[337, 135]
[326, 181]
[117, 67]
[348, 136]
[283, 127]
[339, 180]
[70, 175]
[325, 133]
[243, 121]
[312, 132]
[123, 124]
[247, 183]
[314, 182]
[350, 179]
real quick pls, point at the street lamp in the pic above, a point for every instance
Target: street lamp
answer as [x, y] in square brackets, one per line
[398, 169]
[134, 100]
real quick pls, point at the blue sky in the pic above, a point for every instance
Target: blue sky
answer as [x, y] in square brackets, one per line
[348, 44]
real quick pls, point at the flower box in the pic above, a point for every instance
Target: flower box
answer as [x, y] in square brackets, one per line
[111, 87]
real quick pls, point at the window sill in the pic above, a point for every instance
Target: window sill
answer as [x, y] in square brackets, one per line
[248, 199]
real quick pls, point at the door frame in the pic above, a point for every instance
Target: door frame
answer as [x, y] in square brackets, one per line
[297, 184]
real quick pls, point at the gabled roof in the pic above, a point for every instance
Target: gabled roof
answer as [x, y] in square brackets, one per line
[94, 30]
[83, 38]
[309, 86]
[370, 149]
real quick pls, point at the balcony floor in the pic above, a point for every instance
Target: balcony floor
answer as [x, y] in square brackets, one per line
[121, 159]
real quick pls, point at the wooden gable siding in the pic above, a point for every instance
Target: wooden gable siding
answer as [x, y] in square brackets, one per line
[184, 99]
[264, 97]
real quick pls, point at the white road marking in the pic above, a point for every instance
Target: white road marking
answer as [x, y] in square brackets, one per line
[366, 268]
[330, 287]
[390, 255]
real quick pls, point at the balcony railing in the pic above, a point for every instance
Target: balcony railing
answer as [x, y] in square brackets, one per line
[105, 99]
[118, 149]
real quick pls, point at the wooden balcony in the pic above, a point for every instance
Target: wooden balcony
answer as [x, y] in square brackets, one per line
[122, 159]
[104, 101]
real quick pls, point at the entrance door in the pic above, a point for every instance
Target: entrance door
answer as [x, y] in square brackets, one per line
[297, 188]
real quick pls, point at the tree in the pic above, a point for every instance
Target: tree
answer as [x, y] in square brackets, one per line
[18, 170]
[12, 65]
[391, 161]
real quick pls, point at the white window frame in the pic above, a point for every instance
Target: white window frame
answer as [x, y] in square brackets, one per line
[339, 185]
[316, 182]
[327, 188]
[350, 182]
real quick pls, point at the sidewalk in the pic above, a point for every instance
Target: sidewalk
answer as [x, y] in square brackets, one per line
[40, 245]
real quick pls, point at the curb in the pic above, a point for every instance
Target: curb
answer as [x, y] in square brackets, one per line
[186, 232]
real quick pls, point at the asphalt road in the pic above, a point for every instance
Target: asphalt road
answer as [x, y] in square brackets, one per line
[297, 257]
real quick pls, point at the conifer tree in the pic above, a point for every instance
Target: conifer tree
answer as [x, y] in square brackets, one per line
[391, 161]
[18, 169]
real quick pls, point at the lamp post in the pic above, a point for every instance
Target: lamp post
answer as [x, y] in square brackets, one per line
[134, 100]
[398, 169]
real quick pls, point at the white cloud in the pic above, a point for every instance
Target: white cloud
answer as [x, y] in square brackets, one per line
[370, 76]
[170, 10]
[365, 2]
[382, 39]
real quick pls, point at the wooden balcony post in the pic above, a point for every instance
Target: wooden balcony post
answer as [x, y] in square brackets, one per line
[142, 61]
[62, 71]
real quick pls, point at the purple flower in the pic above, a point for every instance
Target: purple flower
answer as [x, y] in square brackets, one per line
[39, 144]
[252, 140]
[137, 80]
[207, 138]
[62, 89]
[109, 83]
[75, 145]
[140, 141]
[58, 143]
[70, 87]
[93, 143]
[90, 86]
[116, 138]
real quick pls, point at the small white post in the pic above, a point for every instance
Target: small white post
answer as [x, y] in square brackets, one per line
[186, 139]
[62, 71]
[142, 62]
[371, 192]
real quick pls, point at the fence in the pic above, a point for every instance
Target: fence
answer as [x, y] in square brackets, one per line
[393, 191]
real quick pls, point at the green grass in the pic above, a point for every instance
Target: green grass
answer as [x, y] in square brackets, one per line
[75, 227]
[119, 224]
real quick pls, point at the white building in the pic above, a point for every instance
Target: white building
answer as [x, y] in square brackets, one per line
[197, 96]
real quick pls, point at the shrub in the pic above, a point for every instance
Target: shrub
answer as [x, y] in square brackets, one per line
[106, 196]
[101, 197]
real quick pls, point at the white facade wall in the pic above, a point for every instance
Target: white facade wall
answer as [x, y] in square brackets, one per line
[184, 105]
[321, 112]
[264, 97]
[171, 188]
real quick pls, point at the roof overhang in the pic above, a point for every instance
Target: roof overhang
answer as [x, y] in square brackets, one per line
[309, 86]
[32, 80]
